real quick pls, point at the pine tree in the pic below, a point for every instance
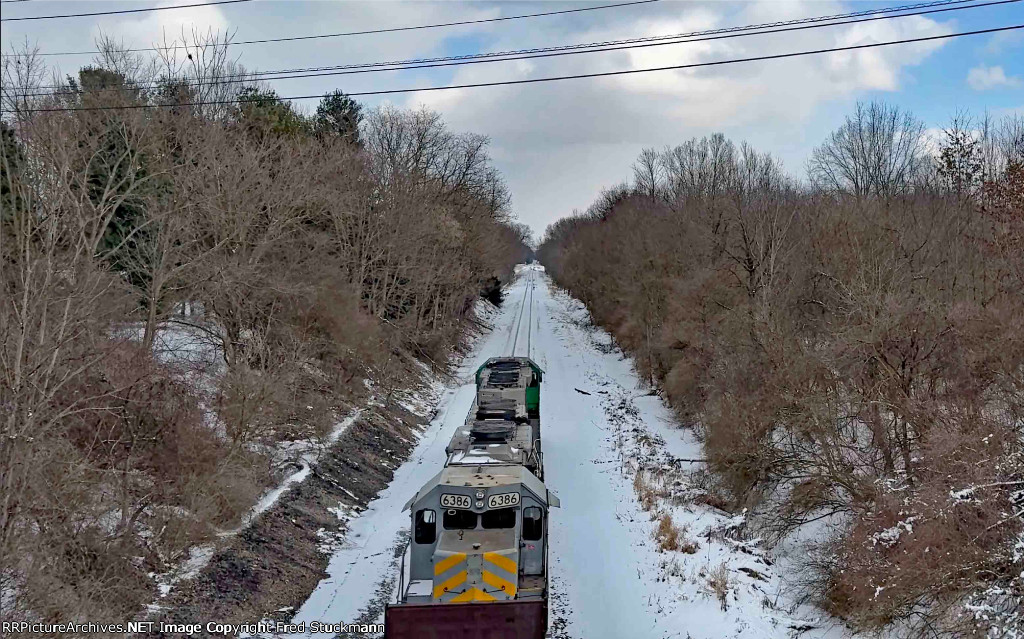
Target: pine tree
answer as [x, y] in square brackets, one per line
[961, 163]
[338, 115]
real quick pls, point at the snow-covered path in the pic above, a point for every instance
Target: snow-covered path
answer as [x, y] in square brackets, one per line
[609, 577]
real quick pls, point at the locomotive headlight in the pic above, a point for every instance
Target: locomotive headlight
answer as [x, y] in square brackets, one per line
[479, 494]
[480, 504]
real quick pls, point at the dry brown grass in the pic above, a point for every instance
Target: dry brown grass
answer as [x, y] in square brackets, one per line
[645, 492]
[667, 534]
[671, 537]
[719, 583]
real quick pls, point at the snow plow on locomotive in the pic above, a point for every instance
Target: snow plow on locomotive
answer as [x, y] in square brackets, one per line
[477, 563]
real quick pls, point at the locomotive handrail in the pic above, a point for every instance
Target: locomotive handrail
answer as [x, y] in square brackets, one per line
[401, 577]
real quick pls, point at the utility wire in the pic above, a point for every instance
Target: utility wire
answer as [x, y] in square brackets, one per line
[403, 65]
[603, 74]
[110, 13]
[565, 47]
[375, 31]
[569, 47]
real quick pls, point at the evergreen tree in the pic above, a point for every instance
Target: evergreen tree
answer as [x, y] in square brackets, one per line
[262, 110]
[12, 163]
[115, 168]
[960, 162]
[338, 115]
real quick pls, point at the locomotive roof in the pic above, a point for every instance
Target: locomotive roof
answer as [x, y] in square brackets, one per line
[502, 364]
[487, 476]
[511, 448]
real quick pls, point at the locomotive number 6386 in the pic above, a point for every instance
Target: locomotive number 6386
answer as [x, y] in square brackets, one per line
[503, 500]
[456, 501]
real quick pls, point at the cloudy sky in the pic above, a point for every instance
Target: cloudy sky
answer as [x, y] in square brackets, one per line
[560, 143]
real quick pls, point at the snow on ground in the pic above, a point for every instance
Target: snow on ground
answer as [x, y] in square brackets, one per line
[609, 575]
[306, 455]
[185, 343]
[198, 557]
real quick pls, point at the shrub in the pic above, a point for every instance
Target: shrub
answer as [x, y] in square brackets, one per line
[668, 534]
[719, 583]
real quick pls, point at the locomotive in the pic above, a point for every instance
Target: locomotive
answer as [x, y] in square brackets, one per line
[477, 562]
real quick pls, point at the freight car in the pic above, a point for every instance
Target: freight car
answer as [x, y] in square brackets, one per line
[477, 563]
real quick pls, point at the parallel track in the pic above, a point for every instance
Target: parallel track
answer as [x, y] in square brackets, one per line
[525, 310]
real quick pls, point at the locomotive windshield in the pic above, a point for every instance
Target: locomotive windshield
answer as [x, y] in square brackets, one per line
[490, 520]
[499, 518]
[459, 519]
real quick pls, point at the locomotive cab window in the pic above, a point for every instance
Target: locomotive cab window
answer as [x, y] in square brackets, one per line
[459, 519]
[499, 518]
[532, 528]
[426, 526]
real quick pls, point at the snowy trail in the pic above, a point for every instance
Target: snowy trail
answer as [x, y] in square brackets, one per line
[609, 578]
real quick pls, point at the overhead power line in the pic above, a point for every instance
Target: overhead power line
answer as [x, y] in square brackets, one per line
[603, 74]
[575, 49]
[384, 30]
[600, 47]
[110, 13]
[567, 47]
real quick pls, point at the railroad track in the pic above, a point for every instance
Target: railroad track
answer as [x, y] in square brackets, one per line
[520, 341]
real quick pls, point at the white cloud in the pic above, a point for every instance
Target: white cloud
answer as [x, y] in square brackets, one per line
[982, 78]
[1009, 112]
[932, 139]
[144, 29]
[1002, 41]
[566, 140]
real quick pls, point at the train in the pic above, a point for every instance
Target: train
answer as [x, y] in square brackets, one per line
[477, 562]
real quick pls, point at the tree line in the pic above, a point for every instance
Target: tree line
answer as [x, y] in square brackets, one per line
[848, 347]
[187, 288]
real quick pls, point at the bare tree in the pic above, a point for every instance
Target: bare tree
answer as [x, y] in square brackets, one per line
[21, 74]
[57, 301]
[879, 150]
[840, 350]
[759, 217]
[700, 168]
[197, 69]
[648, 173]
